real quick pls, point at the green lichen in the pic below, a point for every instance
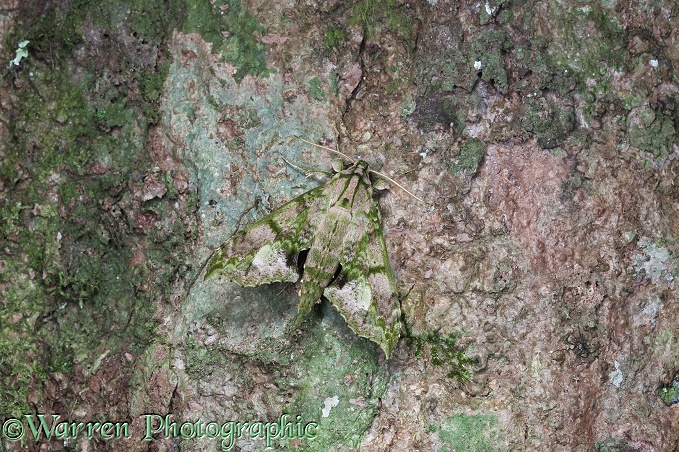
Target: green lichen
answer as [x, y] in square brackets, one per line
[327, 375]
[549, 120]
[20, 53]
[472, 151]
[339, 368]
[653, 261]
[446, 86]
[488, 49]
[480, 432]
[586, 46]
[652, 131]
[580, 54]
[481, 57]
[669, 394]
[407, 109]
[201, 360]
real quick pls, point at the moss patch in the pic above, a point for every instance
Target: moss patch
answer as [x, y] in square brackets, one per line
[334, 37]
[316, 90]
[471, 155]
[82, 269]
[233, 31]
[442, 350]
[372, 13]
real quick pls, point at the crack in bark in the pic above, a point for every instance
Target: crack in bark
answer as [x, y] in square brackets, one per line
[354, 92]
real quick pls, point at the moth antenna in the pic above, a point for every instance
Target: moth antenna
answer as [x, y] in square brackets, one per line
[397, 184]
[372, 171]
[329, 149]
[307, 171]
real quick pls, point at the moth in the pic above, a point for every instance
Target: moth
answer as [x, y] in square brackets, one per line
[339, 226]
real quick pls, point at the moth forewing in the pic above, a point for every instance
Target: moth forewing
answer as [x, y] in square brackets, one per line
[267, 250]
[339, 224]
[365, 290]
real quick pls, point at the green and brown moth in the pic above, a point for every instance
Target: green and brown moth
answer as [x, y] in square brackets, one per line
[340, 226]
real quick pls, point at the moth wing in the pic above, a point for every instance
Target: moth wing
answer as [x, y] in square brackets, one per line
[268, 250]
[364, 292]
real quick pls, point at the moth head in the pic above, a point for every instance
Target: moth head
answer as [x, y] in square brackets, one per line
[377, 173]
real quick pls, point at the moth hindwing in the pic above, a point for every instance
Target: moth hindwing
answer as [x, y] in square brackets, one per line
[339, 224]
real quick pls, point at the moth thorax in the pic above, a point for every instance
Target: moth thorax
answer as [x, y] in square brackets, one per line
[362, 169]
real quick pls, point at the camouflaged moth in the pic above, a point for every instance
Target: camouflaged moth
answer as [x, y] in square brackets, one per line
[340, 225]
